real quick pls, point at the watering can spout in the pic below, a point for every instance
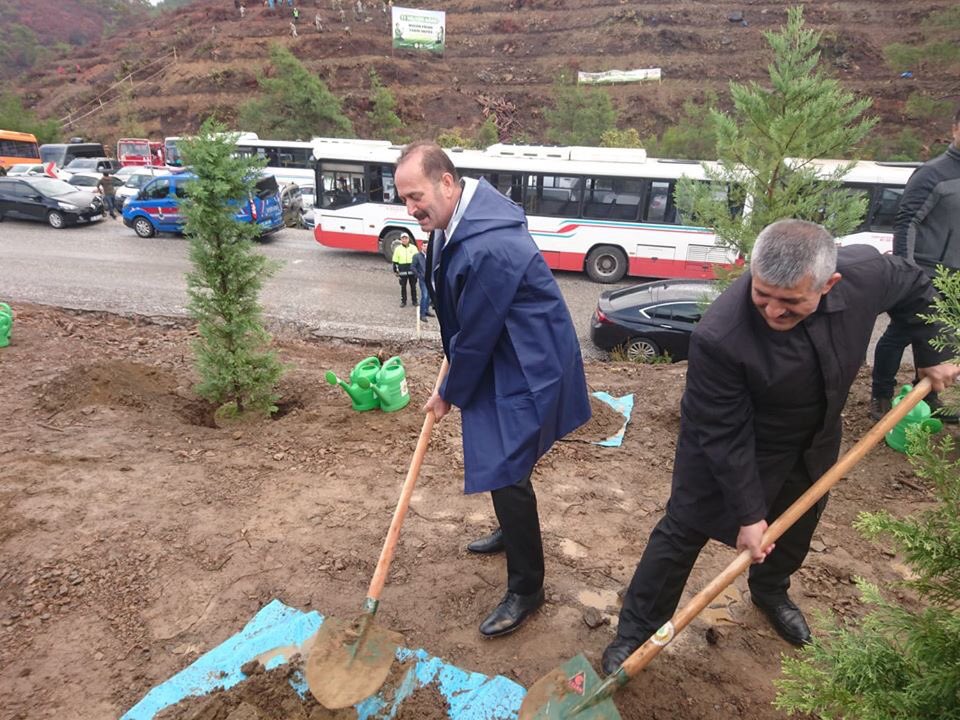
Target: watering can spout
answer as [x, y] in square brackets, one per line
[361, 398]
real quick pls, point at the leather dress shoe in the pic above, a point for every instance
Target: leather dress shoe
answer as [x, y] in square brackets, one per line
[492, 543]
[619, 650]
[510, 613]
[879, 406]
[786, 618]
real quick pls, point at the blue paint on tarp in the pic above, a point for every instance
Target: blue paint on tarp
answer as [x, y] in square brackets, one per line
[277, 632]
[624, 406]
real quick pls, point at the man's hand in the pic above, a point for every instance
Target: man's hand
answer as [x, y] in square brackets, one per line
[438, 406]
[749, 539]
[941, 376]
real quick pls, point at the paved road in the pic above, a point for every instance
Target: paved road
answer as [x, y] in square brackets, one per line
[336, 293]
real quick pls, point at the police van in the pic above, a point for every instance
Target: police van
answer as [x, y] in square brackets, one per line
[157, 207]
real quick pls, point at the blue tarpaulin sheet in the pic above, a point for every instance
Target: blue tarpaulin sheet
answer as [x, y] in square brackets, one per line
[277, 632]
[624, 406]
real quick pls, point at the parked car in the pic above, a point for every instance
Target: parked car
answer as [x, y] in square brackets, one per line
[652, 319]
[92, 165]
[25, 169]
[292, 203]
[40, 198]
[309, 219]
[156, 208]
[62, 154]
[133, 182]
[89, 181]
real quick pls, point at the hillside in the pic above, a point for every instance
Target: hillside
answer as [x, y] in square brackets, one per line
[203, 58]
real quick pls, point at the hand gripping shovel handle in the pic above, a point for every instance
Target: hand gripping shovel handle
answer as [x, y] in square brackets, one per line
[393, 534]
[642, 656]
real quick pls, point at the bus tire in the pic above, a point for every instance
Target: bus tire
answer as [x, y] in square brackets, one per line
[144, 228]
[641, 350]
[606, 264]
[390, 241]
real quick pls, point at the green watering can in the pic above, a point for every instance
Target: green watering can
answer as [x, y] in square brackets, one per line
[918, 415]
[390, 385]
[6, 324]
[362, 397]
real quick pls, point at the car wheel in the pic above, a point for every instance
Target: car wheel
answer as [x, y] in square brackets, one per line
[606, 264]
[390, 241]
[144, 228]
[56, 219]
[642, 350]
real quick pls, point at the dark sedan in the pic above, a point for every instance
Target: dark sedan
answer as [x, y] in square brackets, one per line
[651, 320]
[48, 200]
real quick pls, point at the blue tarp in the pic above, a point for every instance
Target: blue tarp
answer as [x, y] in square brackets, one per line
[277, 632]
[624, 406]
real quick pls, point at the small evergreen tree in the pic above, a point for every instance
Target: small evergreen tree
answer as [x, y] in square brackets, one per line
[692, 137]
[765, 149]
[383, 118]
[489, 133]
[580, 115]
[899, 664]
[236, 367]
[295, 103]
[628, 138]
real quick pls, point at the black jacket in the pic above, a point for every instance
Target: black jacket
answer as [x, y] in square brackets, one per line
[927, 228]
[730, 462]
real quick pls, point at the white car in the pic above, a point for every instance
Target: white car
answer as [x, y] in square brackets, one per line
[134, 181]
[89, 181]
[25, 169]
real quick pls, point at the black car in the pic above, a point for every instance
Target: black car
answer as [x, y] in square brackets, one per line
[650, 320]
[46, 199]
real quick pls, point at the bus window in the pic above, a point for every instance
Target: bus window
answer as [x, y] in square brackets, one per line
[885, 212]
[554, 195]
[342, 184]
[657, 202]
[612, 198]
[17, 148]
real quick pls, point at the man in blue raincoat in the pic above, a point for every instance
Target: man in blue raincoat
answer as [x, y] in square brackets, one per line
[515, 367]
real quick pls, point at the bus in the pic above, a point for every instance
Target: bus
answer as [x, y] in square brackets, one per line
[609, 212]
[287, 160]
[140, 152]
[18, 148]
[171, 149]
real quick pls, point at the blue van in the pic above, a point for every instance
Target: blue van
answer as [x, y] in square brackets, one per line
[156, 208]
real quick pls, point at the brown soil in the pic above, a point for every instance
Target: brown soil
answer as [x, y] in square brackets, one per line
[502, 56]
[604, 423]
[135, 535]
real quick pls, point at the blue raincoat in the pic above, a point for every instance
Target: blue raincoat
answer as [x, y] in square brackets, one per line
[515, 367]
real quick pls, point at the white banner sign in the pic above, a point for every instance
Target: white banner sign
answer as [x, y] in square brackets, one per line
[619, 76]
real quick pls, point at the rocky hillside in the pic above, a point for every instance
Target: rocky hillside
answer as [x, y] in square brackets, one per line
[203, 58]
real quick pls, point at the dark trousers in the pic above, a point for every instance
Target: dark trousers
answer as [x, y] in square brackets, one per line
[672, 550]
[887, 358]
[410, 280]
[516, 510]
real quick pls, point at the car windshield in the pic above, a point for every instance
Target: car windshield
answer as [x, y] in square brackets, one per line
[51, 187]
[138, 180]
[82, 164]
[266, 187]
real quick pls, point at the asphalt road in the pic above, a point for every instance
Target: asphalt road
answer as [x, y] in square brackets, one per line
[334, 293]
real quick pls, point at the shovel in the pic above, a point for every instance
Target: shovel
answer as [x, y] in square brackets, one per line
[574, 691]
[348, 660]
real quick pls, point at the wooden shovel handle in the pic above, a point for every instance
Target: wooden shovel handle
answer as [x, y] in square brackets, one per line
[393, 534]
[646, 652]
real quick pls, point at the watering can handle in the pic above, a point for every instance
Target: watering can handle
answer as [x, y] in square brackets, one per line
[393, 534]
[646, 652]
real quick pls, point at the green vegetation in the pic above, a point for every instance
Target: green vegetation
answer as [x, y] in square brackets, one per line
[933, 56]
[454, 138]
[924, 107]
[580, 115]
[384, 121]
[803, 114]
[238, 372]
[488, 134]
[694, 137]
[628, 138]
[897, 662]
[14, 116]
[295, 103]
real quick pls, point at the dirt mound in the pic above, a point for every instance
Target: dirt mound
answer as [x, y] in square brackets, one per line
[112, 383]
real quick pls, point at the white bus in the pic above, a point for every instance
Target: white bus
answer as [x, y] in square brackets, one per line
[171, 148]
[608, 212]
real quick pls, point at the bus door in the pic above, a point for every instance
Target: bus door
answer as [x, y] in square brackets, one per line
[343, 185]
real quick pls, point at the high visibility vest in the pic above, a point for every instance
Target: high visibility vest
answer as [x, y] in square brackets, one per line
[403, 255]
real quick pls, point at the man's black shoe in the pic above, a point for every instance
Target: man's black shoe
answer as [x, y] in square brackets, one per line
[429, 314]
[510, 613]
[492, 543]
[423, 318]
[786, 618]
[615, 654]
[879, 406]
[403, 303]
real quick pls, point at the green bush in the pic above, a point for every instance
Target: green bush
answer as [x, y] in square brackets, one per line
[579, 114]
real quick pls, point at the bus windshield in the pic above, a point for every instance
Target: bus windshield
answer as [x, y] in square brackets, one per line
[17, 147]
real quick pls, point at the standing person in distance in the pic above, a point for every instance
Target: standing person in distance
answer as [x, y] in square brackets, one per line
[403, 256]
[515, 367]
[419, 267]
[109, 192]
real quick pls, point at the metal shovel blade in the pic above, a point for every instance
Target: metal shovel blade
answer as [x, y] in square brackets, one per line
[562, 693]
[349, 661]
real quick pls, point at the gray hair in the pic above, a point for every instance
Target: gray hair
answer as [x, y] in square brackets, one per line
[787, 251]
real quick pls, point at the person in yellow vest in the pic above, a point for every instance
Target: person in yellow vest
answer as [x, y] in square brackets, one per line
[402, 259]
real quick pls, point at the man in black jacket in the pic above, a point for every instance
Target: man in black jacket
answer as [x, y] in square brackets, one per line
[927, 231]
[770, 367]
